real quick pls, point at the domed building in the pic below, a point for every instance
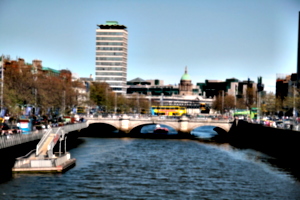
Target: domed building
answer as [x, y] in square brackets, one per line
[185, 85]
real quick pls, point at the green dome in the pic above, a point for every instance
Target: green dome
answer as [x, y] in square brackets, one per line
[186, 77]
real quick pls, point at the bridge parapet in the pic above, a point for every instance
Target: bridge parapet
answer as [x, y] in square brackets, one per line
[183, 125]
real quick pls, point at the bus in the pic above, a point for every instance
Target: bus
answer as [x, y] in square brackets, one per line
[204, 108]
[168, 110]
[81, 110]
[253, 113]
[241, 113]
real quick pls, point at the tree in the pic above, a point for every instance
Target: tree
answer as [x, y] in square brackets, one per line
[101, 95]
[26, 86]
[227, 104]
[250, 97]
[18, 88]
[268, 104]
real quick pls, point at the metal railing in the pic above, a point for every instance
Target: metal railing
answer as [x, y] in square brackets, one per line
[16, 139]
[160, 118]
[12, 140]
[42, 141]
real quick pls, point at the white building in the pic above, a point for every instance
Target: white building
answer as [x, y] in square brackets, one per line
[111, 55]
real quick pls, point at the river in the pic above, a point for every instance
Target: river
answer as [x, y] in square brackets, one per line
[131, 168]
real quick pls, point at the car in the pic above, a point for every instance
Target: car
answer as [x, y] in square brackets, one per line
[6, 129]
[16, 129]
[4, 126]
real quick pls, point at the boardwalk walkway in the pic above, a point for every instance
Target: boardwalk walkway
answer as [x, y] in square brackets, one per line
[16, 139]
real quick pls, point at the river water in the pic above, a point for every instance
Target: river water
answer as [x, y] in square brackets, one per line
[130, 168]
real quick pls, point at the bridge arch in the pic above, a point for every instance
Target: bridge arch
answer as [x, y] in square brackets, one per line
[100, 128]
[138, 127]
[218, 128]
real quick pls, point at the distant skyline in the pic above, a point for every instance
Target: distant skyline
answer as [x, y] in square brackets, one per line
[215, 39]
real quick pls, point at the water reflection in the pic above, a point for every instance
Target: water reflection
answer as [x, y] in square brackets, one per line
[204, 132]
[272, 165]
[150, 129]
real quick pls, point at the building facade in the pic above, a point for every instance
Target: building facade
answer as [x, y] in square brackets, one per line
[185, 85]
[285, 85]
[111, 55]
[157, 88]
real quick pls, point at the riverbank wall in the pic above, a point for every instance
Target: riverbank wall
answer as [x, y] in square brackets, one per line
[280, 143]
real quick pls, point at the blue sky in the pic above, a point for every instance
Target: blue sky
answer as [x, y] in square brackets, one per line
[215, 39]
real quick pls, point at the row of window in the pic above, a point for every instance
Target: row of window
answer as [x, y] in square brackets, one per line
[110, 73]
[110, 43]
[121, 84]
[111, 58]
[110, 79]
[116, 89]
[111, 48]
[110, 69]
[110, 38]
[109, 33]
[110, 54]
[118, 84]
[111, 63]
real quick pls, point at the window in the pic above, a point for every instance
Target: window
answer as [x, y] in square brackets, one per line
[110, 54]
[110, 63]
[110, 74]
[110, 43]
[110, 58]
[110, 48]
[110, 38]
[109, 33]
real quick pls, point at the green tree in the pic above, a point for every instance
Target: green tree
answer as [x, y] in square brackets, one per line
[226, 103]
[268, 104]
[101, 95]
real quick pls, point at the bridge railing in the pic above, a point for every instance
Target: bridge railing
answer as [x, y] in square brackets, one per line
[158, 118]
[15, 139]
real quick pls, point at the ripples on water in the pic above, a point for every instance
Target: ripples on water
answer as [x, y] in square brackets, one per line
[157, 169]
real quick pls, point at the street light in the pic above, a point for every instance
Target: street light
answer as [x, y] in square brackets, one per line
[2, 81]
[115, 103]
[294, 107]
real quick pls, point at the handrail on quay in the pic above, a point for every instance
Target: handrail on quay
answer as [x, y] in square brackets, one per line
[16, 139]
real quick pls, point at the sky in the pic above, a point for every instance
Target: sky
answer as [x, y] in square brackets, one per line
[214, 39]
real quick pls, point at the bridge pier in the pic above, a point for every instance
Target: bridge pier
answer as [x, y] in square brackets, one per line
[124, 124]
[184, 126]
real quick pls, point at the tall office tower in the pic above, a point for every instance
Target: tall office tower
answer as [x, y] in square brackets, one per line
[111, 55]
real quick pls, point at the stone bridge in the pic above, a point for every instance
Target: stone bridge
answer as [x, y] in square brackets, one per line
[181, 125]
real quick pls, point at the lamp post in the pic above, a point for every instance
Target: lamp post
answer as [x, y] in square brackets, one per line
[258, 106]
[235, 94]
[115, 103]
[2, 81]
[222, 112]
[150, 103]
[294, 107]
[63, 102]
[138, 103]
